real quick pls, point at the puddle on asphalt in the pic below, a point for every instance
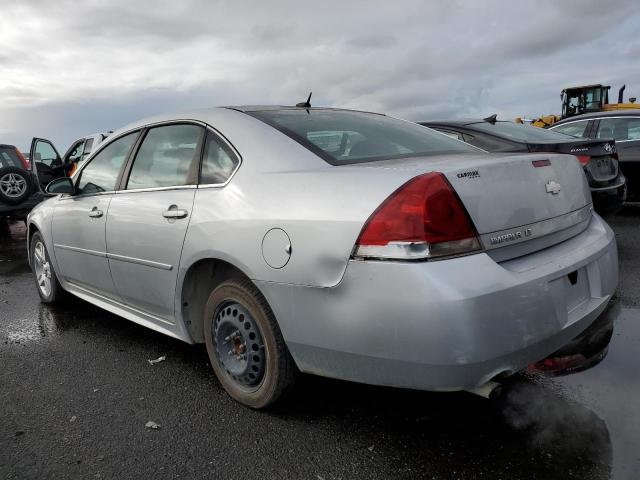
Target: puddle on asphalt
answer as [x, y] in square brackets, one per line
[50, 323]
[592, 414]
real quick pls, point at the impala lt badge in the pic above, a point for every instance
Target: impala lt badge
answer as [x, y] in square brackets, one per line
[553, 187]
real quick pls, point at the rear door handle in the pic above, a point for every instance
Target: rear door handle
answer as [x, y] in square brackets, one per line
[174, 212]
[95, 213]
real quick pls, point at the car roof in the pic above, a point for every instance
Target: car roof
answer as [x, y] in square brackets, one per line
[211, 115]
[263, 108]
[634, 112]
[460, 122]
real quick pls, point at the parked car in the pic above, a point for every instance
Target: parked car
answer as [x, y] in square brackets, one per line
[82, 148]
[597, 156]
[22, 181]
[340, 243]
[621, 125]
[16, 180]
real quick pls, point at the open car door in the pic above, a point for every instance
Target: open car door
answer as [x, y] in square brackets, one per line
[45, 162]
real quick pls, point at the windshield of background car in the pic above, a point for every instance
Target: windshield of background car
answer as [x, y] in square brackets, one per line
[344, 137]
[524, 133]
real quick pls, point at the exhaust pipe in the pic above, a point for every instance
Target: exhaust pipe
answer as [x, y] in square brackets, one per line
[620, 92]
[489, 390]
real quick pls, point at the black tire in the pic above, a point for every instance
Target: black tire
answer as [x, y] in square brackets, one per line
[55, 292]
[278, 370]
[15, 185]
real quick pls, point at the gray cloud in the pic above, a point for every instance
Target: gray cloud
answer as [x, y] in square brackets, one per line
[69, 68]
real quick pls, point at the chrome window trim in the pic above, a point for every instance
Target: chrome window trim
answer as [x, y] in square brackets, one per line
[156, 189]
[66, 196]
[235, 152]
[139, 128]
[601, 118]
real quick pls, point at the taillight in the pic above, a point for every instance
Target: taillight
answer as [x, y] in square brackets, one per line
[22, 159]
[583, 159]
[422, 219]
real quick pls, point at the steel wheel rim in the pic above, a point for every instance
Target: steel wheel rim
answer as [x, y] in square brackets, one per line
[42, 269]
[239, 344]
[13, 185]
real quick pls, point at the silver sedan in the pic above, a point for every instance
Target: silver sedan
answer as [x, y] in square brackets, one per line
[341, 243]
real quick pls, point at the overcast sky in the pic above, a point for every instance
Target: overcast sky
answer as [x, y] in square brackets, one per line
[74, 68]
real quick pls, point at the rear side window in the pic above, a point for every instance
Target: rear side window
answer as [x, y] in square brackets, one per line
[168, 157]
[218, 163]
[88, 146]
[519, 132]
[574, 129]
[344, 137]
[451, 133]
[619, 128]
[101, 174]
[9, 158]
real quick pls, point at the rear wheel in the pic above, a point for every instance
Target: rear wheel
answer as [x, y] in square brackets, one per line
[46, 280]
[15, 185]
[245, 346]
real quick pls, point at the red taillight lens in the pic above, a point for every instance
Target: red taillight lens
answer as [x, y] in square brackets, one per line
[22, 159]
[583, 159]
[422, 219]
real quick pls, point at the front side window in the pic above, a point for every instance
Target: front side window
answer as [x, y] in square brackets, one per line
[619, 128]
[574, 129]
[76, 153]
[46, 155]
[218, 162]
[88, 145]
[342, 137]
[168, 157]
[101, 174]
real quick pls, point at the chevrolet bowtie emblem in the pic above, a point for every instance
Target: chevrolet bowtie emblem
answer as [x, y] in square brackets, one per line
[553, 187]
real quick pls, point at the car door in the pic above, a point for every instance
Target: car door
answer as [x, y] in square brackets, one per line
[73, 155]
[45, 162]
[148, 218]
[79, 220]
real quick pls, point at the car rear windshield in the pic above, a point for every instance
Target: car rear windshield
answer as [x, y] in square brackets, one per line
[518, 131]
[343, 137]
[9, 157]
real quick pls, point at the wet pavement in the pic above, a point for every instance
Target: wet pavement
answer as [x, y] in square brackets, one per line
[76, 391]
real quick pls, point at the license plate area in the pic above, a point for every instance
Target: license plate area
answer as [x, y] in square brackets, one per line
[602, 168]
[574, 289]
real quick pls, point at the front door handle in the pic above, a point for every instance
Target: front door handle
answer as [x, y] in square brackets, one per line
[95, 213]
[174, 212]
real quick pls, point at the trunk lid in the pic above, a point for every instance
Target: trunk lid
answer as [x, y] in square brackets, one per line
[513, 199]
[602, 166]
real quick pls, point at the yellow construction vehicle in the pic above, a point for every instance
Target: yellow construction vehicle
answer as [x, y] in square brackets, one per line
[584, 99]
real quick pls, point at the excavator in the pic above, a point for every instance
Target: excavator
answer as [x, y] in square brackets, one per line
[584, 99]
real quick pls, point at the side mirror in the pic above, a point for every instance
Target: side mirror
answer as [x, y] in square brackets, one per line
[61, 185]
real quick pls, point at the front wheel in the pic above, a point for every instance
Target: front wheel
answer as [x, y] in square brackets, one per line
[46, 280]
[245, 346]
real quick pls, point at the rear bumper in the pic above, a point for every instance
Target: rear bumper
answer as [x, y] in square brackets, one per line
[608, 200]
[452, 324]
[21, 210]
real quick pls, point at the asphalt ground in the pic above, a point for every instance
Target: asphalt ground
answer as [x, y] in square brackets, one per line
[76, 390]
